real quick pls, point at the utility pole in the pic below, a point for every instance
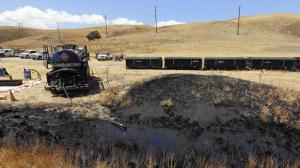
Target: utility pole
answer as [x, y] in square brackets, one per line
[238, 25]
[155, 15]
[105, 17]
[20, 34]
[58, 32]
[107, 75]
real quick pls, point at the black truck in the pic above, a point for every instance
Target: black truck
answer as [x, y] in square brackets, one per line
[70, 68]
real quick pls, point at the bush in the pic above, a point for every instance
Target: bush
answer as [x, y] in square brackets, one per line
[94, 35]
[266, 114]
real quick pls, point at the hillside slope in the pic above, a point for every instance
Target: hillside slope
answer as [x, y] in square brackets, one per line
[9, 33]
[266, 35]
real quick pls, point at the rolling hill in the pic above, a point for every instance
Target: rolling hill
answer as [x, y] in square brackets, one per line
[9, 33]
[264, 35]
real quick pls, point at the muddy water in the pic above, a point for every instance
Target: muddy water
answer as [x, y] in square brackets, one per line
[146, 137]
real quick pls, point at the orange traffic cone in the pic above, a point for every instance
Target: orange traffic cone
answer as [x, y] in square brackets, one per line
[11, 95]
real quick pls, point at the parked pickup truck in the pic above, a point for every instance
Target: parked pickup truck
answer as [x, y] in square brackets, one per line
[104, 56]
[7, 53]
[27, 54]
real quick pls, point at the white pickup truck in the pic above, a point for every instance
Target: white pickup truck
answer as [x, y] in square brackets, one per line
[103, 56]
[7, 53]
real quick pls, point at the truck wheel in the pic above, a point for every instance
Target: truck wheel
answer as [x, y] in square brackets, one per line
[27, 56]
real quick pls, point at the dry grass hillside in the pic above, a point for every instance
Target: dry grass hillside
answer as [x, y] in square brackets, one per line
[265, 35]
[9, 33]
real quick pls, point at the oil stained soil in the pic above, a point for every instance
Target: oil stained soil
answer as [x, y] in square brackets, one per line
[178, 112]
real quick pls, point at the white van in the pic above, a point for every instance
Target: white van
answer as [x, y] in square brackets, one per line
[7, 53]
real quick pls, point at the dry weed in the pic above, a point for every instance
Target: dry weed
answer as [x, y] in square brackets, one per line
[36, 155]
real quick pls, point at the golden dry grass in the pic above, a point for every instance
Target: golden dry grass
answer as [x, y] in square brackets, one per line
[40, 156]
[266, 35]
[9, 33]
[36, 155]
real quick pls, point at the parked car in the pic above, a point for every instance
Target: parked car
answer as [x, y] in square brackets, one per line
[27, 54]
[7, 53]
[37, 56]
[18, 52]
[104, 56]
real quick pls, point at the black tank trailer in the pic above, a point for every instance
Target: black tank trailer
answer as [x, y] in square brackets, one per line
[226, 63]
[183, 63]
[70, 69]
[275, 63]
[296, 66]
[144, 62]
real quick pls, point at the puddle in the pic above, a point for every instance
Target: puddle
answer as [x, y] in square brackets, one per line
[146, 137]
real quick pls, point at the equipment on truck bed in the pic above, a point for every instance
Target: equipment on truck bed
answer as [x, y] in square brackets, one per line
[70, 68]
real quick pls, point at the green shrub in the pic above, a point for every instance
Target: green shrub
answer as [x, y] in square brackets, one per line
[93, 35]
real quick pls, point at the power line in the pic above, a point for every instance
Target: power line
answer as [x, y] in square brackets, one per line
[20, 33]
[155, 16]
[58, 32]
[239, 18]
